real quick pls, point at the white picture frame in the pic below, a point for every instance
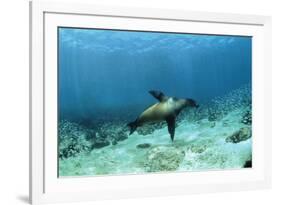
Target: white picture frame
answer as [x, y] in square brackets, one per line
[46, 187]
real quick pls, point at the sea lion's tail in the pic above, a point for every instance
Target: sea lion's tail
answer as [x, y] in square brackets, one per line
[133, 126]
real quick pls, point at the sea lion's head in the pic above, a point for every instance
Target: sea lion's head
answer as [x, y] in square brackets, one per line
[182, 103]
[191, 103]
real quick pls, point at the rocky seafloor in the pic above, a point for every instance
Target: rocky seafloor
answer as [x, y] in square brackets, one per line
[215, 136]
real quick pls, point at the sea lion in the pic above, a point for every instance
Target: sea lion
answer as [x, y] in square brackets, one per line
[166, 109]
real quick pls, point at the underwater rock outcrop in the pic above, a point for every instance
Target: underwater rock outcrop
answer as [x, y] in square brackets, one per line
[197, 148]
[72, 140]
[219, 107]
[163, 158]
[121, 135]
[247, 118]
[248, 164]
[113, 132]
[240, 135]
[100, 142]
[150, 128]
[214, 114]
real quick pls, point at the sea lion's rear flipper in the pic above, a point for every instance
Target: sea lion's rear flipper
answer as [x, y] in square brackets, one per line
[171, 122]
[133, 126]
[158, 95]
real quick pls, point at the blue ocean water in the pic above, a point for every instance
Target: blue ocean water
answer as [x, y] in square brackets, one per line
[109, 71]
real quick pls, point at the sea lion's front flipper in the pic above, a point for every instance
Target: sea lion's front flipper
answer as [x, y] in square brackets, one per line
[171, 121]
[158, 95]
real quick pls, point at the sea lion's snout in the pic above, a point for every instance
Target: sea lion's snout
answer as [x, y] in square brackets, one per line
[191, 103]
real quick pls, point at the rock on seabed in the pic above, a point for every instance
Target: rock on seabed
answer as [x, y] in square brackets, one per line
[143, 146]
[163, 158]
[241, 135]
